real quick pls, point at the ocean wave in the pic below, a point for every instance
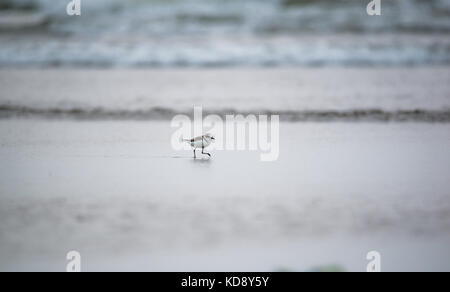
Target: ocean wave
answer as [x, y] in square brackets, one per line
[21, 5]
[295, 50]
[165, 17]
[23, 21]
[217, 33]
[161, 113]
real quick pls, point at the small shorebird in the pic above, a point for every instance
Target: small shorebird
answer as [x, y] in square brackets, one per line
[200, 143]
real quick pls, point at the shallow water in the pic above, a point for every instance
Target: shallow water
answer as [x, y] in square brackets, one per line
[327, 94]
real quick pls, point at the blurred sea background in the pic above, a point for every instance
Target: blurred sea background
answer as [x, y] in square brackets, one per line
[282, 37]
[217, 33]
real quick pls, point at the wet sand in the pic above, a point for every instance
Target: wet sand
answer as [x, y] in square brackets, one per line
[118, 193]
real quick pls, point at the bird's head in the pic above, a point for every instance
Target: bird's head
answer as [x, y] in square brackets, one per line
[210, 137]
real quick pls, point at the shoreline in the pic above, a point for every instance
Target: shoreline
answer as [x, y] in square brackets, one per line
[165, 114]
[300, 94]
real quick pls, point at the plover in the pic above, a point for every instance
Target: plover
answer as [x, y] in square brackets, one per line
[200, 143]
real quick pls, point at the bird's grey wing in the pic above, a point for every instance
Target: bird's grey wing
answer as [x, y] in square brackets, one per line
[197, 139]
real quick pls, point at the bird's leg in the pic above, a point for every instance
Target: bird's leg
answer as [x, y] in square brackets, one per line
[203, 152]
[195, 156]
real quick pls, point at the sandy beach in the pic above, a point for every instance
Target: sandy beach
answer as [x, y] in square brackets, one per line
[116, 192]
